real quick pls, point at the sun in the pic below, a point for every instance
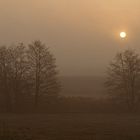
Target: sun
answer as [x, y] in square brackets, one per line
[123, 35]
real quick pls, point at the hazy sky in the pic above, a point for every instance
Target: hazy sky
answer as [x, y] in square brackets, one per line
[83, 34]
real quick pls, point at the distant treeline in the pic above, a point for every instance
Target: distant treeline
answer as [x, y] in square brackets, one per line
[27, 74]
[86, 105]
[63, 104]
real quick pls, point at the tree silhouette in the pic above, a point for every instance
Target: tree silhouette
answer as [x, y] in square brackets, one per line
[43, 71]
[27, 72]
[19, 74]
[124, 77]
[5, 76]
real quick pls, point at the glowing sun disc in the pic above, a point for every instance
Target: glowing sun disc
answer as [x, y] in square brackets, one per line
[123, 34]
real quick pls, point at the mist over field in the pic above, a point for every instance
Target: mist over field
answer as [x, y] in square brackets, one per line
[85, 86]
[69, 70]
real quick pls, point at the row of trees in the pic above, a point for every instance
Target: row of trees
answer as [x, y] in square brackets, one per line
[27, 71]
[123, 79]
[30, 73]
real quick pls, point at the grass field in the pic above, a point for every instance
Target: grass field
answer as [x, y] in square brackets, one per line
[70, 127]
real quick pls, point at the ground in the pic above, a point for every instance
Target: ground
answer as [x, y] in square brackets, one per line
[70, 126]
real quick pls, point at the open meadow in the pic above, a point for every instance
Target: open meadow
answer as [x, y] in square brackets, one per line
[70, 127]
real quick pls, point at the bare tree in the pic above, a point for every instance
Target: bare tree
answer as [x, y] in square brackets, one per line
[13, 75]
[43, 71]
[27, 72]
[5, 76]
[19, 74]
[124, 77]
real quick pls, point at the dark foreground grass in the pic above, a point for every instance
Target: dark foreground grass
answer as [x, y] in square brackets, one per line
[70, 127]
